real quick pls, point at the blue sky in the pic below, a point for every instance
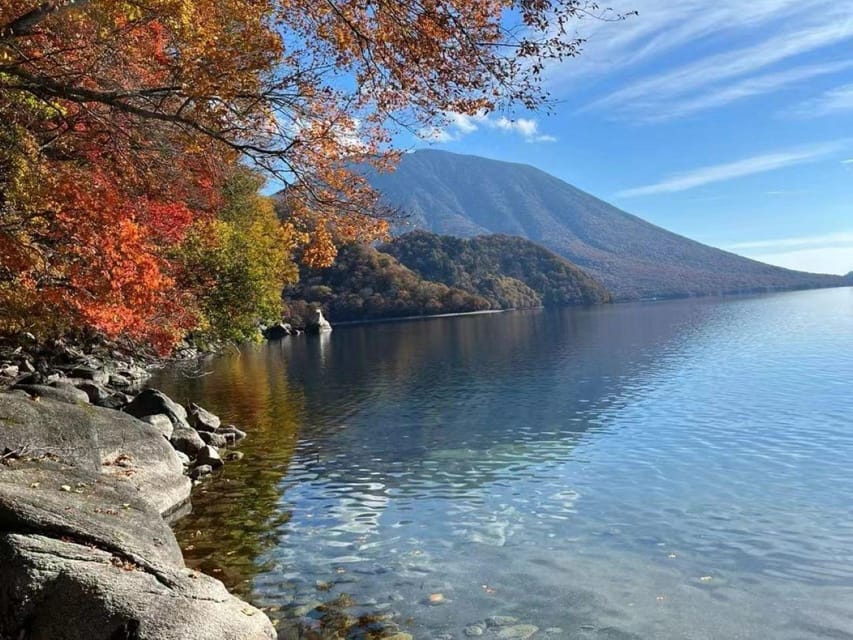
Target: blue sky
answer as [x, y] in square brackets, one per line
[728, 122]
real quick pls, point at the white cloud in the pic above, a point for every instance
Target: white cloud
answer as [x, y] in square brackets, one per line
[698, 50]
[849, 161]
[460, 125]
[465, 123]
[731, 170]
[523, 126]
[834, 100]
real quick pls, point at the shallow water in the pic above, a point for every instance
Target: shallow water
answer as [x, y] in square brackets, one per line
[663, 470]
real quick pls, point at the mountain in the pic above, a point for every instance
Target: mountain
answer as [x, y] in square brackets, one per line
[467, 196]
[425, 274]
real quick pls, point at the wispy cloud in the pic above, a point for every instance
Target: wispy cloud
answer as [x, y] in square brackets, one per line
[733, 50]
[460, 125]
[824, 253]
[758, 85]
[848, 161]
[834, 100]
[826, 240]
[737, 169]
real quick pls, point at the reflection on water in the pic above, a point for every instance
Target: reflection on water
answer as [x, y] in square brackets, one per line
[668, 470]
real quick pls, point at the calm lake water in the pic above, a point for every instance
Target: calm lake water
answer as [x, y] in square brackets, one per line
[664, 470]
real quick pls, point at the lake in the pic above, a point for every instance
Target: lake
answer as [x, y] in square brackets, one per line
[678, 469]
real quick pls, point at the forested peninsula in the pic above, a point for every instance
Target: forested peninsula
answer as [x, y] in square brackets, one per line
[422, 273]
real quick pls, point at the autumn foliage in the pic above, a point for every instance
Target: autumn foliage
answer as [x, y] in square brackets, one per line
[126, 127]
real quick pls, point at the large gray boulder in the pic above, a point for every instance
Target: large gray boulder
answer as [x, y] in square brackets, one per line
[97, 440]
[82, 557]
[65, 502]
[162, 423]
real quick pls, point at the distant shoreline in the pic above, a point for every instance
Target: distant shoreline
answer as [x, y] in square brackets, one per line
[674, 298]
[425, 317]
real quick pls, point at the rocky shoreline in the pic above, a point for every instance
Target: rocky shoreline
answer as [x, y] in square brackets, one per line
[90, 476]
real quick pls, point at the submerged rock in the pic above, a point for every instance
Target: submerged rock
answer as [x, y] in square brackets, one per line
[232, 434]
[500, 621]
[517, 632]
[200, 471]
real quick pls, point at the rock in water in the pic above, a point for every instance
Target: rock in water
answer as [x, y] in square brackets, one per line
[209, 455]
[278, 331]
[214, 439]
[201, 471]
[201, 419]
[319, 324]
[232, 434]
[186, 440]
[98, 563]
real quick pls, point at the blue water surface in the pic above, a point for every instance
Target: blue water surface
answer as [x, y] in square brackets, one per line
[672, 469]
